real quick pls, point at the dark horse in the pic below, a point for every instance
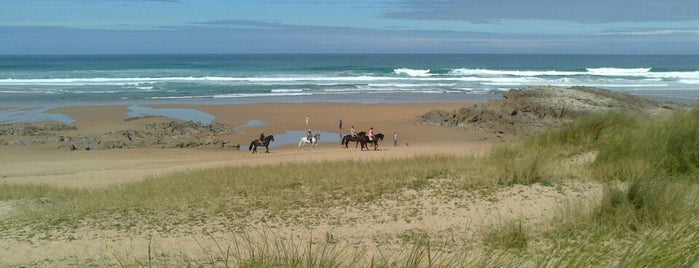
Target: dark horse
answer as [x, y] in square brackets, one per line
[265, 143]
[364, 140]
[347, 138]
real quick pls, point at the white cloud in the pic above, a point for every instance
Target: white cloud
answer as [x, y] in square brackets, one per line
[591, 11]
[657, 32]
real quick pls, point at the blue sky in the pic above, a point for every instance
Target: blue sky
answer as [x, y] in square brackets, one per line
[349, 26]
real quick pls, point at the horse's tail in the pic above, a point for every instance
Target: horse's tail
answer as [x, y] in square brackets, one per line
[301, 142]
[343, 140]
[250, 149]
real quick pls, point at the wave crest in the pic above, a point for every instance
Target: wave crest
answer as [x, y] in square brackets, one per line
[619, 71]
[412, 72]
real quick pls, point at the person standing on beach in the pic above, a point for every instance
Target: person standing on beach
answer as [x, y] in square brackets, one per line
[340, 123]
[307, 120]
[395, 139]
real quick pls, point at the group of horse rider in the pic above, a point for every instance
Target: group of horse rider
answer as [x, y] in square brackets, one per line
[370, 134]
[309, 133]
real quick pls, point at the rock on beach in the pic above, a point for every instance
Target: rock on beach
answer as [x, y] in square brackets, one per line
[523, 111]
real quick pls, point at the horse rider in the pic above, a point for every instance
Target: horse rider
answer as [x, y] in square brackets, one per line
[309, 135]
[262, 138]
[371, 133]
[353, 132]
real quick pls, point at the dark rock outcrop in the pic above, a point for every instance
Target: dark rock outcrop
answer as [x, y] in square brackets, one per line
[173, 134]
[522, 111]
[26, 129]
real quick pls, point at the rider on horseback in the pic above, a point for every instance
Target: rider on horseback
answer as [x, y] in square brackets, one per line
[371, 133]
[309, 135]
[262, 138]
[352, 132]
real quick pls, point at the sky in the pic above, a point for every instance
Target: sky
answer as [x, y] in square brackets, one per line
[349, 26]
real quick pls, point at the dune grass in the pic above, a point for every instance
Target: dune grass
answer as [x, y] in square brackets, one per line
[237, 191]
[647, 216]
[649, 211]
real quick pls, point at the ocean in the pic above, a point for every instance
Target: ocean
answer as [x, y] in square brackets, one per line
[31, 85]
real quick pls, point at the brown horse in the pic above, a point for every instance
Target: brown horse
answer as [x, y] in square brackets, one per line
[265, 143]
[365, 140]
[347, 138]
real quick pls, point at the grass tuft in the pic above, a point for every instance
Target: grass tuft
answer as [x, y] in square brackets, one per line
[511, 235]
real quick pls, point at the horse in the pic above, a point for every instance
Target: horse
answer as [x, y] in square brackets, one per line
[265, 143]
[347, 138]
[313, 141]
[365, 140]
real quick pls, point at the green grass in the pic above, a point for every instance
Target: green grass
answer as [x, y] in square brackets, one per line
[651, 149]
[237, 191]
[647, 214]
[509, 235]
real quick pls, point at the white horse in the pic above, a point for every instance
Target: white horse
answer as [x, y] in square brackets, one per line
[313, 142]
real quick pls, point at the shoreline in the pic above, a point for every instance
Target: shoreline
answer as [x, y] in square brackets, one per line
[41, 111]
[34, 112]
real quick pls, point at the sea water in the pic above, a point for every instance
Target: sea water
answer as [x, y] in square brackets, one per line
[30, 85]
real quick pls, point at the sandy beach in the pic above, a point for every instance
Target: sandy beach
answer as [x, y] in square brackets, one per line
[46, 164]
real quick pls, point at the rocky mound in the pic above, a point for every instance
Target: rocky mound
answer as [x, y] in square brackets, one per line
[33, 130]
[522, 111]
[33, 133]
[173, 134]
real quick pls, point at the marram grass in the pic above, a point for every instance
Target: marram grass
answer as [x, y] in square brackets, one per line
[238, 190]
